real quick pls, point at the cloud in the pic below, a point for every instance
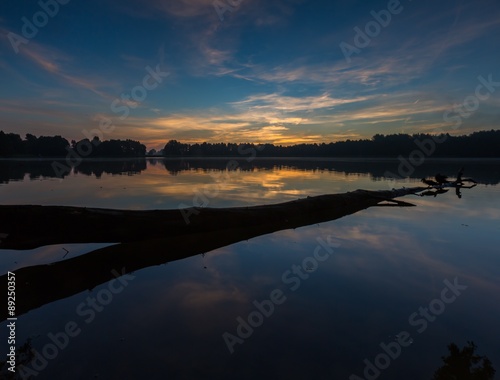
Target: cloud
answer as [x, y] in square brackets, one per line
[284, 119]
[260, 118]
[185, 8]
[390, 60]
[52, 61]
[279, 102]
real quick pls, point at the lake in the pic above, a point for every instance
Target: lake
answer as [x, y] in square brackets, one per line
[376, 294]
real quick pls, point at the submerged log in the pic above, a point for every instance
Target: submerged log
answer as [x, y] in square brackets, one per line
[149, 238]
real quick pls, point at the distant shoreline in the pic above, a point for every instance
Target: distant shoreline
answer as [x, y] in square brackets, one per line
[340, 159]
[237, 158]
[404, 147]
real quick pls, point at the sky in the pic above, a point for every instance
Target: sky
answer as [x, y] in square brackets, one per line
[262, 71]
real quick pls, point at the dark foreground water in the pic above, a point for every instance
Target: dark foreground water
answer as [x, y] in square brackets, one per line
[378, 294]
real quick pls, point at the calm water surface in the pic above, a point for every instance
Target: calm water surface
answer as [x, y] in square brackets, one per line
[331, 317]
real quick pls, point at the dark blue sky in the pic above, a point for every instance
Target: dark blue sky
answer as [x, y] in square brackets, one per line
[281, 71]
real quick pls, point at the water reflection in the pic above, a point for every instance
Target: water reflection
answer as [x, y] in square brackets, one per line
[166, 235]
[462, 364]
[485, 171]
[16, 170]
[168, 323]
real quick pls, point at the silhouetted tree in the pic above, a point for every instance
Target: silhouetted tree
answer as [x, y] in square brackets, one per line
[48, 146]
[110, 148]
[10, 144]
[478, 144]
[464, 365]
[24, 356]
[175, 148]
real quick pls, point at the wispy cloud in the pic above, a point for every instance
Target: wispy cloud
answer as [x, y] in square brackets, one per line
[52, 61]
[283, 103]
[184, 8]
[283, 86]
[275, 118]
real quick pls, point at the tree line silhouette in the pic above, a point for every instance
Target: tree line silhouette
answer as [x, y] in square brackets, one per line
[12, 145]
[484, 144]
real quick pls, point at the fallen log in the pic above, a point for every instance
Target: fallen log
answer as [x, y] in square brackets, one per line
[149, 238]
[29, 226]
